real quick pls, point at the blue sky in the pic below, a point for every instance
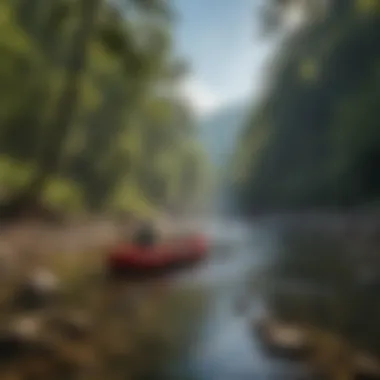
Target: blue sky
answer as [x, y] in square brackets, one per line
[218, 38]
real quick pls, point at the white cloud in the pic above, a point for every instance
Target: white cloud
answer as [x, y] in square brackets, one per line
[201, 99]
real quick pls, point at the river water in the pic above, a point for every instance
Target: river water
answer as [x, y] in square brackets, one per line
[225, 347]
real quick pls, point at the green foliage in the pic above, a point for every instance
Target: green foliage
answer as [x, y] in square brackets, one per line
[63, 195]
[313, 141]
[14, 175]
[92, 130]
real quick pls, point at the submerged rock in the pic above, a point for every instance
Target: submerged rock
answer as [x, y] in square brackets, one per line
[283, 340]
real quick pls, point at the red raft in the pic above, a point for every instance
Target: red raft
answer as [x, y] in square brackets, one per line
[160, 259]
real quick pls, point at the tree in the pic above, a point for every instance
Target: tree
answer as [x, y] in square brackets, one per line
[327, 70]
[98, 117]
[67, 105]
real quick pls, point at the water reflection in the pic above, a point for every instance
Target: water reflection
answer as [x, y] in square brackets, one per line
[302, 273]
[227, 347]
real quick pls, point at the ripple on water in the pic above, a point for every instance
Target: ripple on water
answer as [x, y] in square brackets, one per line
[226, 349]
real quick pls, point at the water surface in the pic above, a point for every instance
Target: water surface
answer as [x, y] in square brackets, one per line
[226, 347]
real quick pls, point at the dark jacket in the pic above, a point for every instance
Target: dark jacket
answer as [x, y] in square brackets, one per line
[146, 236]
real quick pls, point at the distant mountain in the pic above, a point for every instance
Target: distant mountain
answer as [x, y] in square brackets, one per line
[219, 132]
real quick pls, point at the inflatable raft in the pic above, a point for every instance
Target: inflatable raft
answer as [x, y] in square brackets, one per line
[159, 259]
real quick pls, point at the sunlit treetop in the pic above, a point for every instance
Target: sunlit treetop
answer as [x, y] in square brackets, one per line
[368, 6]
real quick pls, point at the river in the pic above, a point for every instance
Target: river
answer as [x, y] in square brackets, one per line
[220, 343]
[225, 347]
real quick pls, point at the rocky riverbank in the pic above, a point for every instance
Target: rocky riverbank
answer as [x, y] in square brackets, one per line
[84, 325]
[327, 354]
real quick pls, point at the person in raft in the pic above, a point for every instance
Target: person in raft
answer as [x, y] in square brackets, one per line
[146, 235]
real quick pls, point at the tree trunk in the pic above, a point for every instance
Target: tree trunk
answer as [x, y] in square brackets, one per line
[67, 105]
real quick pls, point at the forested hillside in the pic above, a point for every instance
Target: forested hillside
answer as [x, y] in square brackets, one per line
[219, 132]
[314, 140]
[89, 119]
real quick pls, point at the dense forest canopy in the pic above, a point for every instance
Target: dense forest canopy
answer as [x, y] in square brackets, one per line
[90, 119]
[314, 138]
